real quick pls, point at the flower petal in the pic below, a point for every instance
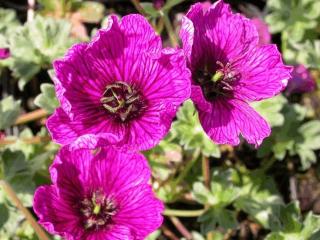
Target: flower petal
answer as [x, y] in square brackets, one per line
[93, 133]
[218, 34]
[263, 74]
[140, 210]
[228, 118]
[160, 76]
[84, 169]
[55, 215]
[132, 37]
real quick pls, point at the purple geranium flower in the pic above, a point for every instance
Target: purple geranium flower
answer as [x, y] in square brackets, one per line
[301, 81]
[229, 69]
[263, 30]
[98, 195]
[122, 84]
[4, 53]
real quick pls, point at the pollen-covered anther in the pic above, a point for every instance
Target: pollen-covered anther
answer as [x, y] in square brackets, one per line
[122, 101]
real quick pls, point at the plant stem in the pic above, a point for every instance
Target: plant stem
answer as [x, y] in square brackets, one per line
[136, 4]
[160, 26]
[206, 179]
[14, 198]
[168, 233]
[31, 116]
[181, 228]
[183, 213]
[187, 168]
[169, 28]
[206, 171]
[267, 163]
[33, 140]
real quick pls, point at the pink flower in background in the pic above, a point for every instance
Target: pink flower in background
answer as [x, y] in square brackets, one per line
[4, 53]
[301, 80]
[2, 135]
[101, 195]
[122, 84]
[229, 70]
[263, 31]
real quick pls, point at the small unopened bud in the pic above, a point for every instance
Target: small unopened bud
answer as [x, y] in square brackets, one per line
[158, 4]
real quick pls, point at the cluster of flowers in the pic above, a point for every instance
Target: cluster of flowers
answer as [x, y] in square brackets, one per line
[119, 94]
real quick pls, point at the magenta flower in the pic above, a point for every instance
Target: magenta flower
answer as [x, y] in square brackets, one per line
[229, 70]
[101, 195]
[4, 53]
[301, 81]
[263, 31]
[122, 84]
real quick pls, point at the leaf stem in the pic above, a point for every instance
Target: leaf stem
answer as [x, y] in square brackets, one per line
[168, 233]
[206, 171]
[169, 28]
[31, 116]
[187, 168]
[136, 4]
[181, 228]
[33, 140]
[14, 198]
[268, 163]
[183, 213]
[206, 179]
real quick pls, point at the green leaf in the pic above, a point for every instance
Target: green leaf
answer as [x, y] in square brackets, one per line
[293, 15]
[311, 134]
[189, 133]
[170, 4]
[222, 193]
[14, 218]
[4, 214]
[311, 225]
[202, 194]
[15, 171]
[154, 235]
[163, 157]
[9, 111]
[149, 9]
[287, 224]
[24, 71]
[284, 138]
[217, 217]
[198, 236]
[47, 99]
[36, 44]
[91, 12]
[270, 109]
[8, 20]
[258, 196]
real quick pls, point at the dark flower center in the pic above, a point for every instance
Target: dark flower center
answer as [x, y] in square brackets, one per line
[122, 101]
[219, 83]
[97, 211]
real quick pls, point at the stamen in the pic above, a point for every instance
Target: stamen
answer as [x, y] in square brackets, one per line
[97, 211]
[220, 83]
[122, 101]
